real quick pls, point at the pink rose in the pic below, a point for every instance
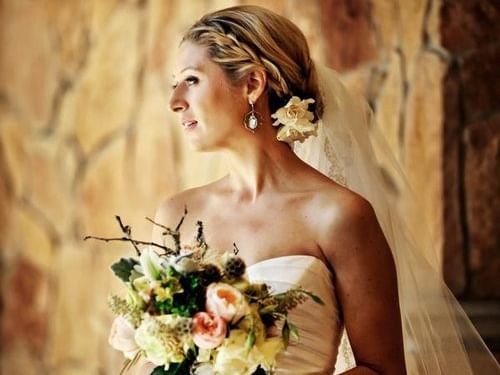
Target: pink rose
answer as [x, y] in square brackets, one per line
[121, 337]
[209, 330]
[226, 301]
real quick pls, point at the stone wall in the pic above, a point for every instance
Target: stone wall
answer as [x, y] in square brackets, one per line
[85, 135]
[471, 162]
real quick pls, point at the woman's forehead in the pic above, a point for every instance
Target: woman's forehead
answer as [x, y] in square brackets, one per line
[191, 56]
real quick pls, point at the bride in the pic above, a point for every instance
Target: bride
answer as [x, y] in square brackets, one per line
[296, 201]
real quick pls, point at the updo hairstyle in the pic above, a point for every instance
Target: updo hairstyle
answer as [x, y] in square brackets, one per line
[244, 37]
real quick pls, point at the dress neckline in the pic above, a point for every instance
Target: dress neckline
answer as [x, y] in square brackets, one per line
[294, 256]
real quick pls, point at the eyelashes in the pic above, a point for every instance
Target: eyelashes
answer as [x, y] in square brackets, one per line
[190, 80]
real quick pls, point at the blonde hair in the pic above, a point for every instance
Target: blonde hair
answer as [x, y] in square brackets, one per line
[244, 37]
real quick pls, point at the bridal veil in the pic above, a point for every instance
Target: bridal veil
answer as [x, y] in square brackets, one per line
[438, 336]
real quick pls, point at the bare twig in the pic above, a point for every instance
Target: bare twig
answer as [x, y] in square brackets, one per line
[182, 219]
[235, 249]
[127, 230]
[134, 242]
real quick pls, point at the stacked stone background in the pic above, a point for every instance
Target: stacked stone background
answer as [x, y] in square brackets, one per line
[85, 134]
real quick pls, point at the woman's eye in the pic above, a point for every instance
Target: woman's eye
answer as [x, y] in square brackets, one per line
[191, 80]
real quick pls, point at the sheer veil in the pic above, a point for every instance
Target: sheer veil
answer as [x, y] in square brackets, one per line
[438, 336]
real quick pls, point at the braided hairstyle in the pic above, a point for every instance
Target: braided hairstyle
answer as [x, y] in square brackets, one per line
[244, 37]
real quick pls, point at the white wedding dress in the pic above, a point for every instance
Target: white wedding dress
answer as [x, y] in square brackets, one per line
[320, 327]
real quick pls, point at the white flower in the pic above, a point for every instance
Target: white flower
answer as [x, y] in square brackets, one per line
[296, 120]
[155, 337]
[150, 264]
[233, 359]
[184, 263]
[121, 337]
[204, 369]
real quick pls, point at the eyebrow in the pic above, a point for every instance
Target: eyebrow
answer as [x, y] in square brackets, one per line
[188, 68]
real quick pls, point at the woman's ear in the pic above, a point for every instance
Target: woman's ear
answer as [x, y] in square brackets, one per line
[255, 84]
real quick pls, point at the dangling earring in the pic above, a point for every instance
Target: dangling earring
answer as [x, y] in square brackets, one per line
[252, 119]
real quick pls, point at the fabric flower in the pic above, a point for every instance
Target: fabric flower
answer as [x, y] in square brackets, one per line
[226, 301]
[209, 330]
[296, 120]
[121, 337]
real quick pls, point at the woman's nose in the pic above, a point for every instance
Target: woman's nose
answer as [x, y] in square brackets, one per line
[177, 103]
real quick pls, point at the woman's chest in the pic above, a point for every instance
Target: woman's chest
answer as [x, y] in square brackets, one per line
[257, 233]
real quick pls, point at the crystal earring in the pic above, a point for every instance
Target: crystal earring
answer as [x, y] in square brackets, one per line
[252, 119]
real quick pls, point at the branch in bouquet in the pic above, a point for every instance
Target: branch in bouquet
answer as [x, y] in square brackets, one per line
[135, 242]
[127, 230]
[175, 234]
[236, 250]
[200, 238]
[129, 363]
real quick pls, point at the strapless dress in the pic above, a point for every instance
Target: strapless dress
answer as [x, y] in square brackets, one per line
[320, 327]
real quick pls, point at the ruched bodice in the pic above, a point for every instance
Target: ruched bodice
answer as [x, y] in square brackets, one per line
[319, 325]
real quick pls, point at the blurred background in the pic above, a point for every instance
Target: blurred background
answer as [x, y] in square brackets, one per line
[85, 134]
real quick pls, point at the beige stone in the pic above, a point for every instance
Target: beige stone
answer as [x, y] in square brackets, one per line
[306, 15]
[155, 151]
[411, 18]
[50, 189]
[101, 194]
[106, 92]
[69, 21]
[386, 18]
[28, 70]
[14, 136]
[80, 317]
[388, 105]
[28, 237]
[423, 154]
[15, 360]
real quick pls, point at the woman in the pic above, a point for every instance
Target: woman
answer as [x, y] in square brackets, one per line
[237, 72]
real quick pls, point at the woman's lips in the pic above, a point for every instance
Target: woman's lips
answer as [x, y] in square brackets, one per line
[188, 125]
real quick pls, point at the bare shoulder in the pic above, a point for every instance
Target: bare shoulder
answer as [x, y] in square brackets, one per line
[340, 206]
[172, 207]
[347, 219]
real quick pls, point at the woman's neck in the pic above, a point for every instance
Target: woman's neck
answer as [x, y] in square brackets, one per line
[264, 165]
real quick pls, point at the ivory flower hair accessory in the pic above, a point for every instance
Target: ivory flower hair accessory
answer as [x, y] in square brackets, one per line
[296, 120]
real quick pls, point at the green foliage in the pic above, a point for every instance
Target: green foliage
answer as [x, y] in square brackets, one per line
[123, 268]
[259, 371]
[188, 302]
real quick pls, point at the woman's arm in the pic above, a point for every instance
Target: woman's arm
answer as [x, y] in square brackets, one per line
[366, 286]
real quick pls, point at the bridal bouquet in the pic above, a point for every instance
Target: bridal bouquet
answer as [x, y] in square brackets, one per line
[187, 312]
